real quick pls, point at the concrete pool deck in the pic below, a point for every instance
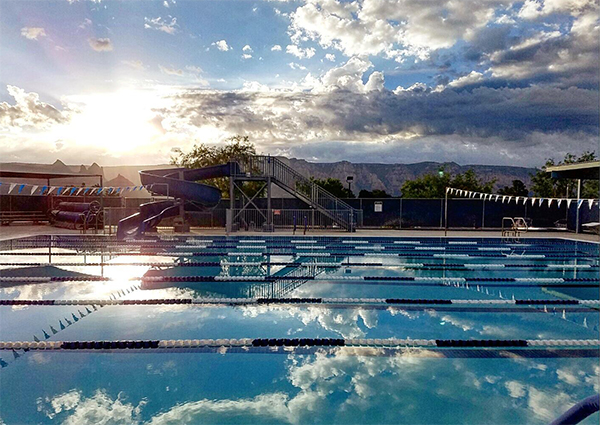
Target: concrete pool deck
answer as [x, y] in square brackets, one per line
[20, 231]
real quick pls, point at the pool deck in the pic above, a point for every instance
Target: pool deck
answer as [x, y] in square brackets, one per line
[19, 231]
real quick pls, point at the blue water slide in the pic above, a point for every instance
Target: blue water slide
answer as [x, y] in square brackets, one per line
[179, 183]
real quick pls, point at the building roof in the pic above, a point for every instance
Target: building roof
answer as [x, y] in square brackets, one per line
[42, 175]
[589, 170]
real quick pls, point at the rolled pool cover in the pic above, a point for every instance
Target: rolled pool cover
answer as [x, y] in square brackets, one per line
[93, 206]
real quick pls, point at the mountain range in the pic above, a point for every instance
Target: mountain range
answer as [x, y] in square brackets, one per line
[388, 177]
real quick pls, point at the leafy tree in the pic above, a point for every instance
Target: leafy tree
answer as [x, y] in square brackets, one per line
[545, 186]
[434, 185]
[334, 186]
[518, 188]
[377, 193]
[237, 148]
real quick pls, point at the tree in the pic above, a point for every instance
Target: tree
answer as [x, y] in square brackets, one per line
[518, 188]
[545, 186]
[236, 148]
[334, 186]
[377, 193]
[434, 185]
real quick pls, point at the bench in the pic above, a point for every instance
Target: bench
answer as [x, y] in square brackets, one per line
[7, 217]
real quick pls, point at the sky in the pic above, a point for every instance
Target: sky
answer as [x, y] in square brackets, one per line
[386, 81]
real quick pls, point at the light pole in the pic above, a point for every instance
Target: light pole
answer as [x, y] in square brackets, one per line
[349, 180]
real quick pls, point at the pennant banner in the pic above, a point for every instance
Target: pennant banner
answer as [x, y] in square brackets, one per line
[539, 202]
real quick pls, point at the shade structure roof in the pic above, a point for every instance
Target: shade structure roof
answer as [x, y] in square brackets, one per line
[42, 175]
[581, 170]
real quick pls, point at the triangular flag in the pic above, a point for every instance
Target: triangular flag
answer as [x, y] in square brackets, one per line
[100, 189]
[21, 188]
[497, 196]
[550, 202]
[119, 189]
[33, 189]
[43, 190]
[126, 189]
[533, 202]
[558, 202]
[51, 189]
[448, 190]
[541, 201]
[590, 202]
[73, 191]
[480, 195]
[503, 199]
[11, 187]
[569, 202]
[79, 191]
[579, 203]
[60, 189]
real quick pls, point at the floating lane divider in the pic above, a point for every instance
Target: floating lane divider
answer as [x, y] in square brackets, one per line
[297, 342]
[420, 266]
[323, 301]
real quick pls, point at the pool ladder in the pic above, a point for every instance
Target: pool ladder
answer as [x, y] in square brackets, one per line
[512, 228]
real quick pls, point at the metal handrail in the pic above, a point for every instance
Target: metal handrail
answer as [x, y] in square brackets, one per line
[299, 185]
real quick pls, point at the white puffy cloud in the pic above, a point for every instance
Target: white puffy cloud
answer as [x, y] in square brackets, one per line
[330, 57]
[247, 48]
[246, 56]
[160, 24]
[533, 9]
[101, 44]
[33, 33]
[28, 111]
[222, 45]
[392, 28]
[276, 48]
[473, 77]
[299, 52]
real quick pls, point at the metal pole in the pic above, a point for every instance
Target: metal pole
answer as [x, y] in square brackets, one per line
[483, 216]
[269, 212]
[577, 207]
[446, 214]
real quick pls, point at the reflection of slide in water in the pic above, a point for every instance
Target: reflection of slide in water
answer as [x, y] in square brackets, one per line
[178, 183]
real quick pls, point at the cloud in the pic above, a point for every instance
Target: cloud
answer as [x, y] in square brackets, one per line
[159, 24]
[246, 56]
[552, 57]
[300, 53]
[170, 71]
[101, 44]
[28, 111]
[136, 64]
[339, 115]
[330, 57]
[394, 29]
[222, 45]
[276, 48]
[33, 33]
[247, 49]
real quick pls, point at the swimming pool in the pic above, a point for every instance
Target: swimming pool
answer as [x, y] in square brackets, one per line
[297, 330]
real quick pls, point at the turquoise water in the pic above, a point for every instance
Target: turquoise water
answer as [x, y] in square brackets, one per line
[344, 385]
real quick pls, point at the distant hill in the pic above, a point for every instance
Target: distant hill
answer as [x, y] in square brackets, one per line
[388, 177]
[391, 177]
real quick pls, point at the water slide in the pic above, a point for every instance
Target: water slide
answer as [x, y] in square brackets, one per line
[178, 183]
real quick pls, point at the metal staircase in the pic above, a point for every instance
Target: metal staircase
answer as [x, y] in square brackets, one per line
[296, 184]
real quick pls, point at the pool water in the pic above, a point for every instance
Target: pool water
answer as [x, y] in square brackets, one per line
[358, 289]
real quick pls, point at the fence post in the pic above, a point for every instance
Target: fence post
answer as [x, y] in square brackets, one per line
[483, 216]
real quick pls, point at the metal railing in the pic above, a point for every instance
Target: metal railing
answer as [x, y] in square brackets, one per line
[253, 219]
[298, 185]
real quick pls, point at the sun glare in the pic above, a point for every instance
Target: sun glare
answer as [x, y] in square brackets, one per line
[120, 122]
